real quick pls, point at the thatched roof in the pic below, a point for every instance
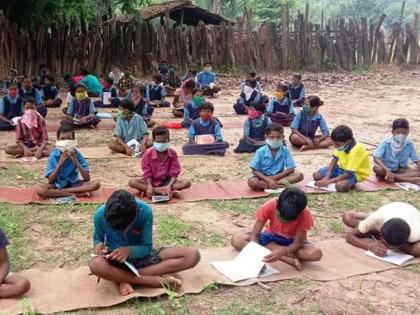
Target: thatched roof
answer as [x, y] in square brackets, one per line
[192, 13]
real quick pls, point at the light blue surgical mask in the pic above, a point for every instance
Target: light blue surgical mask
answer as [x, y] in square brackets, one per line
[274, 144]
[161, 146]
[305, 109]
[342, 148]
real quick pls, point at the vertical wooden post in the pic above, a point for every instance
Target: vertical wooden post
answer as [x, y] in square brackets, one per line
[414, 40]
[285, 35]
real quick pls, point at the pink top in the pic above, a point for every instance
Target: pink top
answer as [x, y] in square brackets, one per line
[159, 170]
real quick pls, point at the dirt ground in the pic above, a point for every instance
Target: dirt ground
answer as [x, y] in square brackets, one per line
[367, 102]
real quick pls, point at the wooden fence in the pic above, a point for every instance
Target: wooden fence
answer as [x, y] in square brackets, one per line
[292, 45]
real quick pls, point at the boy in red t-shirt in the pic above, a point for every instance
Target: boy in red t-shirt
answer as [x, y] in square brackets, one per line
[289, 222]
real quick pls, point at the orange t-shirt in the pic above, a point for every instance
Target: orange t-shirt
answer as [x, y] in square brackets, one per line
[267, 212]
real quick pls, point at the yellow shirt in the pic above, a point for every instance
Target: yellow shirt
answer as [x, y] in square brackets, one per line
[356, 161]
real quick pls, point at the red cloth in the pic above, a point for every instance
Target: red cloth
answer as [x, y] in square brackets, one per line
[34, 135]
[159, 170]
[267, 212]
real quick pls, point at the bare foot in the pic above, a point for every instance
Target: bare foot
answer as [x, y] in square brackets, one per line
[294, 262]
[125, 288]
[305, 148]
[86, 194]
[171, 282]
[176, 194]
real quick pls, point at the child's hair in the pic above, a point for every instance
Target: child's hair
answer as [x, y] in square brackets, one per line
[65, 129]
[157, 78]
[395, 231]
[29, 99]
[160, 131]
[400, 123]
[207, 105]
[258, 106]
[50, 78]
[252, 74]
[342, 133]
[297, 76]
[120, 209]
[314, 101]
[252, 83]
[282, 87]
[81, 85]
[291, 203]
[190, 84]
[264, 99]
[109, 80]
[67, 77]
[274, 127]
[84, 71]
[143, 89]
[193, 72]
[194, 91]
[13, 85]
[208, 63]
[127, 104]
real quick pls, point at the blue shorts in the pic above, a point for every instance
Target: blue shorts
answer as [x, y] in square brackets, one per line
[266, 237]
[352, 180]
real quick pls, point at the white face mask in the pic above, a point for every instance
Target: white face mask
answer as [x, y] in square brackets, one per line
[248, 91]
[397, 143]
[399, 138]
[66, 145]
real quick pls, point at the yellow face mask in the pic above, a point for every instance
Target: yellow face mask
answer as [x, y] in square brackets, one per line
[81, 96]
[280, 95]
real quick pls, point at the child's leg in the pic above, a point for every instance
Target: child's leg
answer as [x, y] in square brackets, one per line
[379, 171]
[292, 261]
[352, 219]
[116, 147]
[173, 260]
[257, 184]
[412, 248]
[14, 286]
[14, 149]
[57, 102]
[411, 175]
[139, 183]
[293, 178]
[101, 268]
[240, 239]
[343, 186]
[308, 252]
[50, 191]
[178, 112]
[297, 141]
[150, 123]
[324, 144]
[181, 184]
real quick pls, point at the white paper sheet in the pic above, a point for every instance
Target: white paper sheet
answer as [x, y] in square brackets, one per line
[247, 264]
[330, 187]
[15, 120]
[130, 266]
[392, 257]
[158, 198]
[104, 115]
[274, 191]
[408, 186]
[106, 98]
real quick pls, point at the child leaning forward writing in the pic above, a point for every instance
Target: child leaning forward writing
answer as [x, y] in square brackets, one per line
[286, 235]
[392, 156]
[123, 230]
[349, 165]
[273, 165]
[63, 167]
[160, 168]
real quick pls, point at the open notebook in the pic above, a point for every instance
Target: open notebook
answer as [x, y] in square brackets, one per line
[408, 186]
[247, 264]
[130, 266]
[330, 187]
[393, 257]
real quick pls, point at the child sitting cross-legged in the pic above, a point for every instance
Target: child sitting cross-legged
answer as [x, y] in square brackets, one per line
[192, 109]
[109, 88]
[205, 134]
[280, 109]
[142, 106]
[123, 230]
[157, 92]
[297, 90]
[273, 165]
[289, 220]
[63, 167]
[250, 94]
[254, 129]
[31, 134]
[11, 286]
[160, 168]
[349, 165]
[392, 156]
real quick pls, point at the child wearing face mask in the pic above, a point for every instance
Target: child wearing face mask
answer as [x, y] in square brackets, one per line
[208, 127]
[31, 134]
[157, 92]
[192, 108]
[392, 156]
[350, 163]
[160, 168]
[206, 81]
[130, 126]
[64, 165]
[50, 92]
[28, 90]
[11, 106]
[254, 129]
[183, 96]
[305, 125]
[108, 87]
[273, 166]
[142, 106]
[249, 95]
[81, 112]
[280, 109]
[297, 90]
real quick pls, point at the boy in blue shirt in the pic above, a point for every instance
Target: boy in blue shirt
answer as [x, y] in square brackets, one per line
[206, 80]
[27, 89]
[306, 124]
[393, 154]
[280, 109]
[297, 90]
[156, 92]
[63, 168]
[249, 95]
[273, 165]
[108, 87]
[123, 232]
[50, 92]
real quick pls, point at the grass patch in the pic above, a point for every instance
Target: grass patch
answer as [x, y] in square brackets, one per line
[172, 231]
[260, 307]
[414, 268]
[12, 221]
[336, 226]
[246, 207]
[17, 171]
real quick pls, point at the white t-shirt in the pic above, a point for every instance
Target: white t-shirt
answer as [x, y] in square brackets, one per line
[399, 210]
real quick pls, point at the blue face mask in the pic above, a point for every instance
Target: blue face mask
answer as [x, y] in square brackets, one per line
[274, 144]
[305, 110]
[343, 148]
[161, 146]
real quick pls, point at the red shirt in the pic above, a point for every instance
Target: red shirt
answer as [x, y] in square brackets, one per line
[34, 135]
[267, 212]
[159, 170]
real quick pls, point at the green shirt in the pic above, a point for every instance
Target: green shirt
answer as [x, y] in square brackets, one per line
[128, 130]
